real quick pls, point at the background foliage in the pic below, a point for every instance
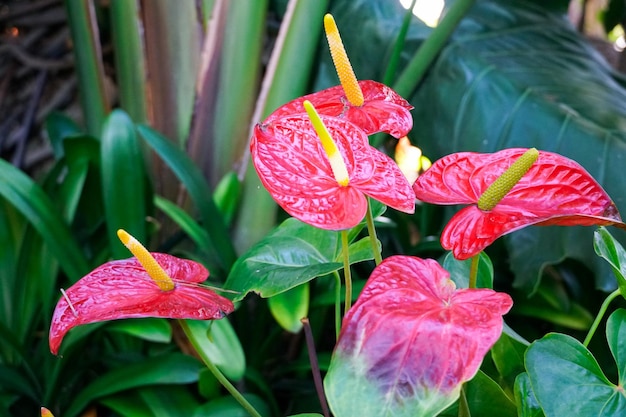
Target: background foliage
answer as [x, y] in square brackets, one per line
[187, 81]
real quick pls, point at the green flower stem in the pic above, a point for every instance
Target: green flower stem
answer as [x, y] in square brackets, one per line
[217, 373]
[337, 305]
[369, 218]
[430, 48]
[473, 277]
[346, 269]
[596, 322]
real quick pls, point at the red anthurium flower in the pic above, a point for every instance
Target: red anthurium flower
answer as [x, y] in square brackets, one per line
[383, 110]
[554, 191]
[411, 340]
[297, 171]
[132, 288]
[370, 105]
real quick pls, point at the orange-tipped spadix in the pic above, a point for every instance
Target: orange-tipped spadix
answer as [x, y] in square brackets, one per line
[342, 64]
[146, 260]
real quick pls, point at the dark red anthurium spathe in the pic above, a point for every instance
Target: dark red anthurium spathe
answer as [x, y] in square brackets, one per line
[383, 109]
[554, 191]
[124, 289]
[411, 339]
[295, 169]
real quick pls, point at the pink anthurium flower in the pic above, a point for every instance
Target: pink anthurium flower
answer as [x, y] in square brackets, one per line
[302, 175]
[383, 110]
[411, 340]
[149, 285]
[551, 190]
[372, 106]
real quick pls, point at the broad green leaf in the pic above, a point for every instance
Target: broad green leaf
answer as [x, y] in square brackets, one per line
[123, 181]
[291, 306]
[226, 195]
[156, 401]
[616, 337]
[59, 127]
[607, 247]
[292, 254]
[219, 342]
[188, 224]
[167, 369]
[9, 243]
[89, 69]
[517, 74]
[567, 379]
[484, 397]
[30, 200]
[525, 400]
[508, 357]
[294, 56]
[152, 329]
[460, 271]
[229, 407]
[199, 191]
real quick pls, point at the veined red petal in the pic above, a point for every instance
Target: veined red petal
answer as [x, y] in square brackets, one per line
[123, 289]
[294, 168]
[416, 338]
[383, 111]
[555, 191]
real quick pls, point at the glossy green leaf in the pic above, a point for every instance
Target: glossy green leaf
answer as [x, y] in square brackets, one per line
[292, 254]
[508, 357]
[228, 407]
[226, 195]
[187, 223]
[38, 208]
[155, 401]
[167, 369]
[9, 243]
[525, 400]
[616, 337]
[123, 181]
[483, 397]
[151, 329]
[290, 307]
[220, 344]
[90, 72]
[607, 247]
[199, 191]
[294, 55]
[560, 367]
[460, 271]
[59, 127]
[517, 74]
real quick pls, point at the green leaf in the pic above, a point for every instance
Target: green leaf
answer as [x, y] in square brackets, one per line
[616, 337]
[165, 401]
[123, 181]
[460, 271]
[30, 200]
[567, 379]
[292, 254]
[151, 329]
[59, 127]
[517, 74]
[226, 195]
[508, 357]
[199, 191]
[229, 407]
[220, 344]
[484, 397]
[290, 307]
[610, 249]
[167, 369]
[525, 400]
[187, 223]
